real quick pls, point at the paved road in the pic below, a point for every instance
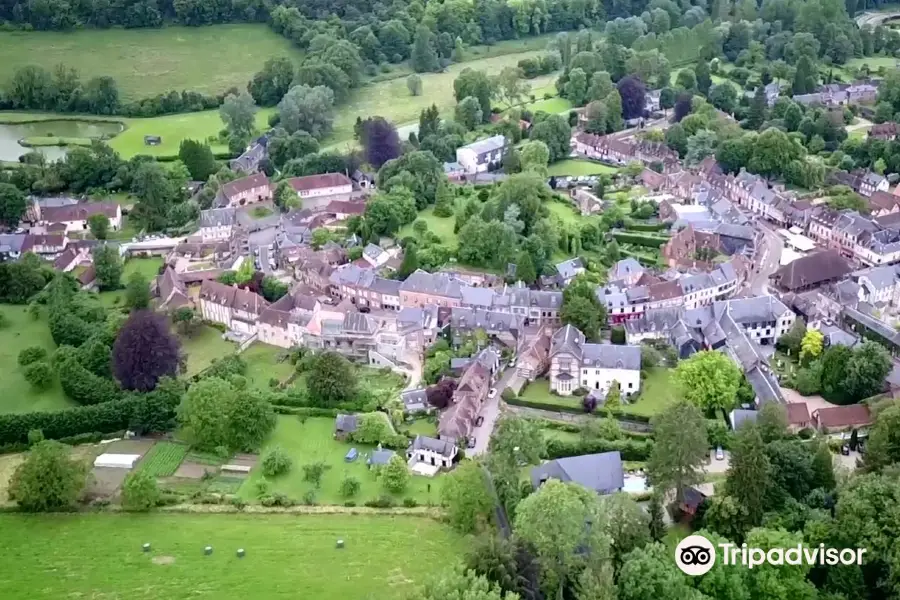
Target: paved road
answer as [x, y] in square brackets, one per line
[874, 18]
[264, 260]
[768, 259]
[490, 411]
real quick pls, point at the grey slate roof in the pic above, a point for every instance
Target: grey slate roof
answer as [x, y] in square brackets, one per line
[346, 423]
[477, 296]
[441, 447]
[739, 416]
[599, 472]
[627, 266]
[437, 284]
[380, 457]
[12, 242]
[217, 217]
[487, 145]
[754, 310]
[569, 268]
[567, 339]
[611, 356]
[414, 400]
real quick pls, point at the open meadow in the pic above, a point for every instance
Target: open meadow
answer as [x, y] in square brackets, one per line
[22, 331]
[146, 62]
[287, 556]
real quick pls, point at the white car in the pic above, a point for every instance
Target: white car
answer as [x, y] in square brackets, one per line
[492, 393]
[513, 362]
[720, 454]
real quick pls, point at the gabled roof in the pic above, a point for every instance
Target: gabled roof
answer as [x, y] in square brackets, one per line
[852, 415]
[315, 182]
[797, 413]
[567, 339]
[485, 146]
[244, 184]
[811, 270]
[346, 423]
[441, 447]
[217, 217]
[78, 212]
[599, 472]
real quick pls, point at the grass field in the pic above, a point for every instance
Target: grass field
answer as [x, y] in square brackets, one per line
[657, 392]
[203, 346]
[146, 62]
[441, 226]
[384, 558]
[566, 213]
[313, 441]
[163, 459]
[391, 99]
[573, 167]
[263, 366]
[20, 332]
[148, 267]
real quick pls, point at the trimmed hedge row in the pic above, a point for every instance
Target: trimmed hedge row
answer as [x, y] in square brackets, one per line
[307, 411]
[632, 226]
[96, 419]
[629, 449]
[619, 415]
[576, 428]
[640, 240]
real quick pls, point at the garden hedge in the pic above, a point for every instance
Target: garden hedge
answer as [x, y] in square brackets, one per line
[577, 409]
[95, 419]
[651, 227]
[629, 449]
[648, 241]
[576, 428]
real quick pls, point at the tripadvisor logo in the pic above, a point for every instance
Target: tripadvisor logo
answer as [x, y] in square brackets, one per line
[696, 555]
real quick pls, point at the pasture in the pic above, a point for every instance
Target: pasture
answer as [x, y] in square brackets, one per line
[22, 331]
[146, 62]
[286, 555]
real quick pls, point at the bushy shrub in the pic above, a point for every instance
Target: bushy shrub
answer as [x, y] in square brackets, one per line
[39, 375]
[410, 502]
[276, 462]
[31, 354]
[383, 501]
[349, 486]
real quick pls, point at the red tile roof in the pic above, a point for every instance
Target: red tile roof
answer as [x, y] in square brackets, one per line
[852, 415]
[346, 208]
[797, 413]
[78, 212]
[315, 182]
[239, 186]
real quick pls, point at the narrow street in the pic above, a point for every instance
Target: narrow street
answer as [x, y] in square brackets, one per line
[767, 261]
[490, 412]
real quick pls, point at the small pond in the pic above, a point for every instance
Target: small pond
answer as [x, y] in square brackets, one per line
[11, 133]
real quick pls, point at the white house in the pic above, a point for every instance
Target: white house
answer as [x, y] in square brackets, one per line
[481, 156]
[74, 217]
[437, 453]
[576, 364]
[375, 255]
[217, 224]
[318, 191]
[235, 308]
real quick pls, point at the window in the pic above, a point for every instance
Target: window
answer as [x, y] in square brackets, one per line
[630, 385]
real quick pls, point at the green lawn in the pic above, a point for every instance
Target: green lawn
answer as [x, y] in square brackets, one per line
[60, 556]
[146, 62]
[424, 427]
[263, 366]
[576, 167]
[550, 105]
[22, 331]
[657, 392]
[874, 62]
[148, 267]
[391, 99]
[203, 346]
[313, 441]
[566, 212]
[440, 226]
[173, 129]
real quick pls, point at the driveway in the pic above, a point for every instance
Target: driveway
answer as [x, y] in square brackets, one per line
[264, 260]
[813, 403]
[718, 466]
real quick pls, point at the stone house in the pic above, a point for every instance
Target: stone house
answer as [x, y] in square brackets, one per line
[237, 309]
[247, 190]
[575, 363]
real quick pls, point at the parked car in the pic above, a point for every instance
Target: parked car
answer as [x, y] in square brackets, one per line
[845, 449]
[492, 393]
[512, 363]
[470, 443]
[479, 421]
[720, 454]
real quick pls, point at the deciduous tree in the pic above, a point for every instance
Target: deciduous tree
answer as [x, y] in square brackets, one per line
[749, 473]
[145, 351]
[12, 205]
[198, 158]
[708, 380]
[331, 380]
[108, 267]
[137, 292]
[467, 498]
[380, 141]
[394, 475]
[48, 480]
[99, 225]
[238, 112]
[308, 109]
[139, 491]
